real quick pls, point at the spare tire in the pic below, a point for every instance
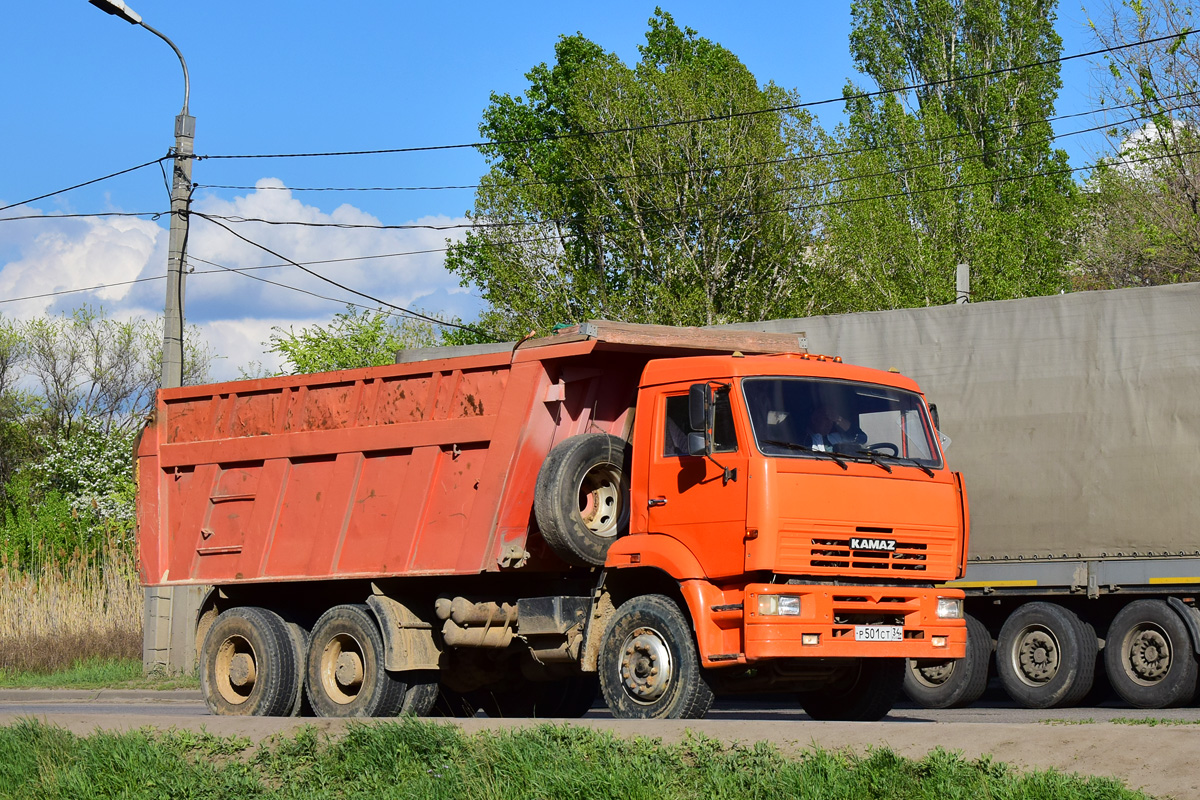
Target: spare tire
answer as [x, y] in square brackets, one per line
[581, 501]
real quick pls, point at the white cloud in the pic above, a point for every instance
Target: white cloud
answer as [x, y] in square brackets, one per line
[235, 312]
[61, 254]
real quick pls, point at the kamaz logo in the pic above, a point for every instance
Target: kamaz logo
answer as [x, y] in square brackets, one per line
[886, 545]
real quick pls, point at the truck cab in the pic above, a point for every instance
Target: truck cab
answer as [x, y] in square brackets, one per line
[811, 514]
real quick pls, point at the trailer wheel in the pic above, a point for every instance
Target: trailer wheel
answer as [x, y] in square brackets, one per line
[649, 665]
[345, 674]
[955, 683]
[248, 664]
[865, 692]
[1148, 656]
[581, 501]
[1046, 656]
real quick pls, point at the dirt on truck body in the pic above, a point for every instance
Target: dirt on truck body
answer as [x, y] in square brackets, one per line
[653, 513]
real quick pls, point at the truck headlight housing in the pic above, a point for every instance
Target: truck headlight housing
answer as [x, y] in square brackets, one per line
[949, 608]
[778, 605]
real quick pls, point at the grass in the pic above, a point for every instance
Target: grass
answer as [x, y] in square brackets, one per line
[97, 673]
[1152, 721]
[66, 612]
[415, 759]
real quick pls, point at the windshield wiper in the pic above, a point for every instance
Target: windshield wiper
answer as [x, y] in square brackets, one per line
[874, 459]
[910, 461]
[794, 446]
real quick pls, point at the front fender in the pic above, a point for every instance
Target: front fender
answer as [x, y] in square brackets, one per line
[655, 550]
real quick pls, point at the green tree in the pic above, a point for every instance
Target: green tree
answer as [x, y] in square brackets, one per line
[958, 170]
[352, 339]
[1143, 225]
[597, 205]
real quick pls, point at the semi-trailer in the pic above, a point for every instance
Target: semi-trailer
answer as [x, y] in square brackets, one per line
[1075, 418]
[663, 514]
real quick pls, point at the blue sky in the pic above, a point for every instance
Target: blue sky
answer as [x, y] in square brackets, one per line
[86, 94]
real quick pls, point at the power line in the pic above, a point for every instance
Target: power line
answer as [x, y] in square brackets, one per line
[738, 165]
[153, 215]
[81, 185]
[715, 117]
[415, 314]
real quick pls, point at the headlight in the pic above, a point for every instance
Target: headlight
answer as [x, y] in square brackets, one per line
[778, 605]
[949, 608]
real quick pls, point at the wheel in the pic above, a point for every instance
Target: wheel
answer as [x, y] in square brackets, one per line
[1046, 656]
[345, 675]
[248, 664]
[1148, 656]
[865, 692]
[649, 666]
[581, 500]
[955, 683]
[420, 693]
[566, 698]
[884, 446]
[299, 639]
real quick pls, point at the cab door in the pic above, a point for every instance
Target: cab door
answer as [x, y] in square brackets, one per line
[688, 498]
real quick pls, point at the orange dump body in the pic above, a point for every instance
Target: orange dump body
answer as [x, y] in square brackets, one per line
[423, 468]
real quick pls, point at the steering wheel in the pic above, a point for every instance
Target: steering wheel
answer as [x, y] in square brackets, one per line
[884, 446]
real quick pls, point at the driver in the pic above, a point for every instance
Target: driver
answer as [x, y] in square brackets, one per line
[830, 429]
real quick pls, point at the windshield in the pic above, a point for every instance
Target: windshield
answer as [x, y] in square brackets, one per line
[807, 418]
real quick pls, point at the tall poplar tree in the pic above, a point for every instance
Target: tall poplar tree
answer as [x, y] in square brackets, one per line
[959, 169]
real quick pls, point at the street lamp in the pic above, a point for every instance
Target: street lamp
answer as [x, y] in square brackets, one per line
[181, 188]
[169, 638]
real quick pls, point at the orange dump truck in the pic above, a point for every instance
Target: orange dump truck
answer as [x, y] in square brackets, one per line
[659, 514]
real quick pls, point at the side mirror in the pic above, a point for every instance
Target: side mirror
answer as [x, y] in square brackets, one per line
[700, 403]
[933, 414]
[696, 446]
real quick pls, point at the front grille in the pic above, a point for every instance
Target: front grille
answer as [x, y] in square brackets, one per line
[836, 553]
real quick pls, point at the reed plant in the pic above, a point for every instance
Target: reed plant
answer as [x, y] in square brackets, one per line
[66, 610]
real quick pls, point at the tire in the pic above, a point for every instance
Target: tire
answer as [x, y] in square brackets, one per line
[955, 683]
[865, 693]
[248, 664]
[345, 675]
[581, 500]
[1148, 656]
[420, 693]
[1046, 656]
[649, 665]
[566, 698]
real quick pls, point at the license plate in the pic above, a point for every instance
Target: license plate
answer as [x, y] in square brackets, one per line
[878, 633]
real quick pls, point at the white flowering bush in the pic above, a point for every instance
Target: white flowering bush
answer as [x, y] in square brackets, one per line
[92, 468]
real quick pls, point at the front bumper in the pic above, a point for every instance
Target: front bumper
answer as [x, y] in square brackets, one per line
[829, 616]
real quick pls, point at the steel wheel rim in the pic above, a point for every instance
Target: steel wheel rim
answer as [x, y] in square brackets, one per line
[236, 670]
[600, 500]
[1036, 655]
[1146, 654]
[646, 667]
[932, 675]
[343, 669]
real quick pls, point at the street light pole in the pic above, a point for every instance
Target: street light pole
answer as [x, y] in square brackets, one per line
[181, 192]
[169, 633]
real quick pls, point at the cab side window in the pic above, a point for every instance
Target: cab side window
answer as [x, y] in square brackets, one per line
[675, 435]
[677, 425]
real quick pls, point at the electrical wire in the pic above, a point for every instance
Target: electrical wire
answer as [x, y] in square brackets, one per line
[408, 311]
[708, 168]
[712, 118]
[153, 215]
[81, 185]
